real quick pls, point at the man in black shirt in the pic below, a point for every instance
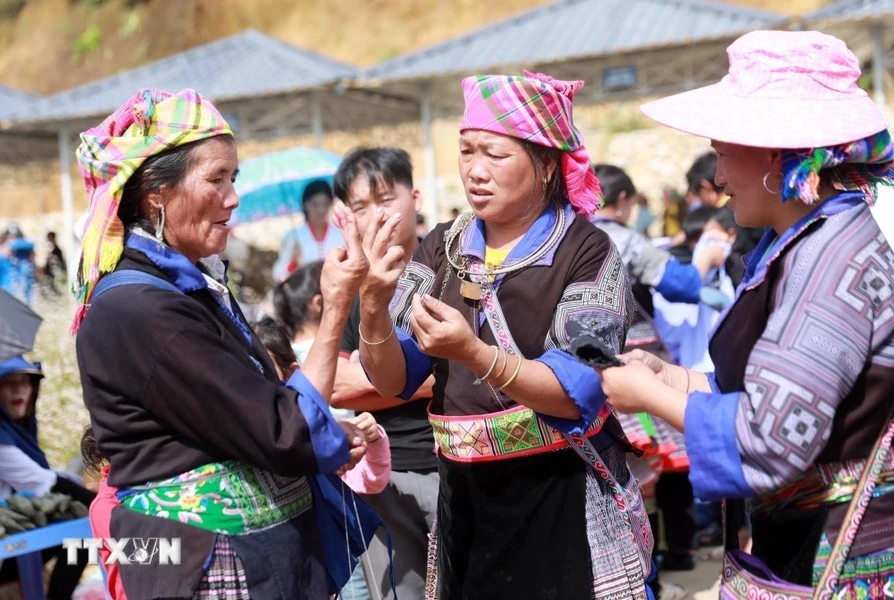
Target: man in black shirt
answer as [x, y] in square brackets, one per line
[367, 181]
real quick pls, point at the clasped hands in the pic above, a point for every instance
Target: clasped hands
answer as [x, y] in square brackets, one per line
[643, 378]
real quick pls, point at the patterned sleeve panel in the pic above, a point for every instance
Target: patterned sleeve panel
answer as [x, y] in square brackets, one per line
[645, 262]
[598, 302]
[418, 278]
[823, 331]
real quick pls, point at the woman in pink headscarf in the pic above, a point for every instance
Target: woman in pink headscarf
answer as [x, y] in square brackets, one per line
[531, 459]
[799, 405]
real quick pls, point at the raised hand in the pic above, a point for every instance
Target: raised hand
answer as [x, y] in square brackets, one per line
[386, 260]
[345, 268]
[441, 330]
[357, 443]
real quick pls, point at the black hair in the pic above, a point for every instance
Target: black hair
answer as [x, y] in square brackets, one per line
[725, 218]
[92, 457]
[543, 157]
[703, 169]
[275, 337]
[292, 297]
[614, 180]
[317, 186]
[382, 166]
[694, 223]
[165, 169]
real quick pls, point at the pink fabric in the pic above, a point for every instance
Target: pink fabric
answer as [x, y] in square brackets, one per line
[101, 524]
[536, 108]
[784, 89]
[372, 473]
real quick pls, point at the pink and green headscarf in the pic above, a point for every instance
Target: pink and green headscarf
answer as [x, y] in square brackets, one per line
[536, 108]
[859, 165]
[149, 123]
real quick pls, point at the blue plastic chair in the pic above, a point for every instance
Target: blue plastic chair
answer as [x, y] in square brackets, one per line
[25, 548]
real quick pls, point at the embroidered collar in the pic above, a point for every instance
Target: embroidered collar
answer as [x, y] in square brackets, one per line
[185, 275]
[472, 242]
[759, 260]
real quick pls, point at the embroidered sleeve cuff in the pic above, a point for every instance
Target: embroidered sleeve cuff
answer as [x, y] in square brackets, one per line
[583, 386]
[418, 364]
[715, 466]
[326, 436]
[680, 283]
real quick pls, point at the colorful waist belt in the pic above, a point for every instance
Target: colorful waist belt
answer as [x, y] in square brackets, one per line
[226, 497]
[508, 434]
[824, 485]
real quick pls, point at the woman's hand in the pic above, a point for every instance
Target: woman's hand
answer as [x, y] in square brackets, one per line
[344, 269]
[670, 375]
[367, 424]
[441, 330]
[357, 444]
[629, 388]
[386, 261]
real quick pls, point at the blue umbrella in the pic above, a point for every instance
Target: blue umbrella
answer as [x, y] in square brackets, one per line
[272, 185]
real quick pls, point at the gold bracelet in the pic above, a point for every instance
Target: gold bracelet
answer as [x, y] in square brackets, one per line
[514, 375]
[369, 343]
[505, 362]
[492, 365]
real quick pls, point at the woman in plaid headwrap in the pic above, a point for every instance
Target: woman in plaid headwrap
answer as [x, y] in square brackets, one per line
[204, 443]
[536, 499]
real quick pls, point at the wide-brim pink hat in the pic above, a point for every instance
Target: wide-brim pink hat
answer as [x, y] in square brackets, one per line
[784, 89]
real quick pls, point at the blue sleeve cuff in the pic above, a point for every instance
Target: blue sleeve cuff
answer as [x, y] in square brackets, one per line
[680, 283]
[326, 436]
[712, 381]
[582, 384]
[418, 364]
[715, 465]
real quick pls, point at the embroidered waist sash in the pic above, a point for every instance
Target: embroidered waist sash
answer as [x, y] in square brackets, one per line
[824, 485]
[502, 435]
[226, 497]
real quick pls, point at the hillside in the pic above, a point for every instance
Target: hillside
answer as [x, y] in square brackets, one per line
[50, 45]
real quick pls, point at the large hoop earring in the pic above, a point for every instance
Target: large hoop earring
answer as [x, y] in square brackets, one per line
[160, 226]
[766, 187]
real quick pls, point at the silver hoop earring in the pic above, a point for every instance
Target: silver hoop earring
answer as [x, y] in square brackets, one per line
[160, 226]
[766, 187]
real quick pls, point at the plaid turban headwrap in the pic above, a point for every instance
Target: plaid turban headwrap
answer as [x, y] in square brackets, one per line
[536, 108]
[859, 165]
[149, 123]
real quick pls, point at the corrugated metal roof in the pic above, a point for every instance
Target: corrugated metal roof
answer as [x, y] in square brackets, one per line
[852, 10]
[13, 101]
[577, 29]
[249, 64]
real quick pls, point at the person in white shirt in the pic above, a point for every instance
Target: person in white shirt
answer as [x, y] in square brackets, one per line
[24, 467]
[311, 241]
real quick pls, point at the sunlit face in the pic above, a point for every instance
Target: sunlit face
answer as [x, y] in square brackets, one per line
[317, 209]
[15, 394]
[397, 198]
[499, 178]
[198, 210]
[741, 171]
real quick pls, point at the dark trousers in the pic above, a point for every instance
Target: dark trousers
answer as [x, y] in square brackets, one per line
[673, 494]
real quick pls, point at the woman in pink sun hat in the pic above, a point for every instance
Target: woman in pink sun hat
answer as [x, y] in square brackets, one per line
[801, 398]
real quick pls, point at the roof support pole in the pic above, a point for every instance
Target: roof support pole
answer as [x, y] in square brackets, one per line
[68, 240]
[316, 123]
[879, 60]
[428, 158]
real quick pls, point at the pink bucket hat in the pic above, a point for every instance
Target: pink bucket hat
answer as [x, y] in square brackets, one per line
[784, 89]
